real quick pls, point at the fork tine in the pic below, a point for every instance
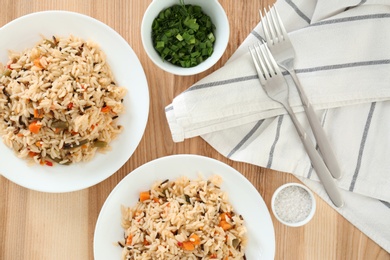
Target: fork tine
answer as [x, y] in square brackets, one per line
[257, 67]
[265, 24]
[264, 61]
[276, 25]
[271, 59]
[270, 25]
[271, 64]
[280, 23]
[274, 30]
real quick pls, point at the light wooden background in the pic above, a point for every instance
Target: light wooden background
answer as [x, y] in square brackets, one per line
[36, 225]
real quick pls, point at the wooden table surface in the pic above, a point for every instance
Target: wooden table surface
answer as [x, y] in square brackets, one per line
[35, 225]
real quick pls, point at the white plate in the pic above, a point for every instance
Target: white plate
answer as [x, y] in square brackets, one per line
[241, 193]
[25, 32]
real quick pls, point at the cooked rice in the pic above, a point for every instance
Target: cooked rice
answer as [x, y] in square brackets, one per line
[159, 227]
[65, 86]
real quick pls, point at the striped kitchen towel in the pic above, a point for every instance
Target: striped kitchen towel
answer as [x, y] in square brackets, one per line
[343, 62]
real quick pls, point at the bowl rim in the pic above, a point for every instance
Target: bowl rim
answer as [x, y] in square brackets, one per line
[148, 17]
[309, 216]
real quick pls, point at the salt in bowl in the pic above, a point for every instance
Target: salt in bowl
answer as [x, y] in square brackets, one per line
[293, 204]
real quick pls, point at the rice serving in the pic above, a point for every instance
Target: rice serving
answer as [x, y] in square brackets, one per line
[59, 101]
[183, 219]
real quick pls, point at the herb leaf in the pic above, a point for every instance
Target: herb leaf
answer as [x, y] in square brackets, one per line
[183, 35]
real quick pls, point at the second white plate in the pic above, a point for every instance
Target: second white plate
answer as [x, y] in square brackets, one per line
[241, 193]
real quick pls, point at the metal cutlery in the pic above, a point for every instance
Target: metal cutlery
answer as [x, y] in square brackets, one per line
[275, 85]
[283, 51]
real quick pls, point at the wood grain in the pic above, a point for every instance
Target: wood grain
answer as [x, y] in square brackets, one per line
[35, 225]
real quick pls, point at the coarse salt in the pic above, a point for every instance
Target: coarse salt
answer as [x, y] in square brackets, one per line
[293, 204]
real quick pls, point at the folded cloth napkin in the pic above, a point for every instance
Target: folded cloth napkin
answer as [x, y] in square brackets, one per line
[343, 63]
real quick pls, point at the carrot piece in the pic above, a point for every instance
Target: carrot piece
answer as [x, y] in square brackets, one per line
[213, 256]
[106, 109]
[39, 144]
[225, 215]
[20, 135]
[48, 163]
[225, 225]
[129, 239]
[156, 200]
[37, 63]
[34, 127]
[188, 245]
[32, 154]
[146, 242]
[195, 239]
[38, 113]
[144, 195]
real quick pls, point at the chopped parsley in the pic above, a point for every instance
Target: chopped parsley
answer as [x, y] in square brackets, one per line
[183, 35]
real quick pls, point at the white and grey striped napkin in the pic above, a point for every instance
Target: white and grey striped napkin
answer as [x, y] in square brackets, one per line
[343, 62]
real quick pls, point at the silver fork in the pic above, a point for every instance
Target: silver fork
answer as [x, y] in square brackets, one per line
[280, 45]
[275, 85]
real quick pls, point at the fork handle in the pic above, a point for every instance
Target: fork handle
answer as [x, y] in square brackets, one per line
[318, 131]
[318, 164]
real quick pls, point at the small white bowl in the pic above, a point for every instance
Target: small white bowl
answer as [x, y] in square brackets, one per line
[210, 7]
[293, 204]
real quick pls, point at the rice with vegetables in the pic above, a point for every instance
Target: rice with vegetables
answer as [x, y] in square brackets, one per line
[183, 219]
[59, 101]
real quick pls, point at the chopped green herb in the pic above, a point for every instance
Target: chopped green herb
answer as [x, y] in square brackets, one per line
[6, 73]
[183, 35]
[60, 124]
[99, 144]
[75, 145]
